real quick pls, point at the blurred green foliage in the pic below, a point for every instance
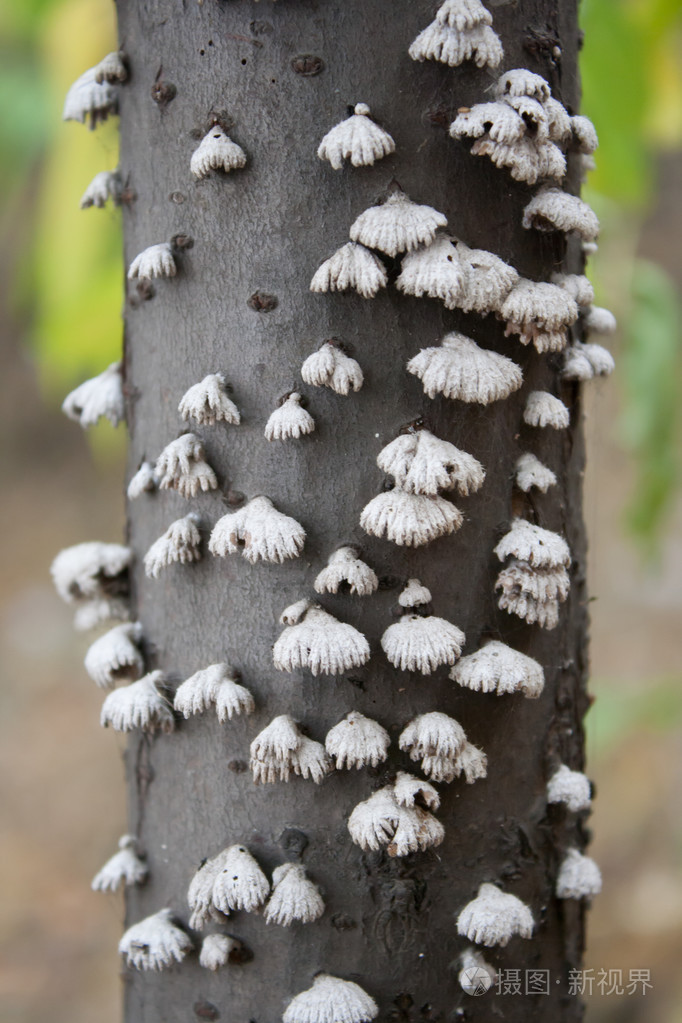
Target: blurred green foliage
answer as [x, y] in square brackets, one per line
[69, 278]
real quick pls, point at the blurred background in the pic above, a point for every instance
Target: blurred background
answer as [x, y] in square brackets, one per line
[61, 780]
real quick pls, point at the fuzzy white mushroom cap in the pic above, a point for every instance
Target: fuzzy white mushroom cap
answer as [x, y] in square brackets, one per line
[526, 159]
[180, 543]
[585, 361]
[331, 1000]
[543, 409]
[417, 831]
[572, 788]
[143, 482]
[493, 917]
[579, 877]
[294, 897]
[432, 735]
[124, 867]
[84, 570]
[321, 643]
[373, 821]
[104, 186]
[530, 472]
[398, 225]
[422, 463]
[310, 760]
[497, 120]
[259, 532]
[155, 943]
[541, 584]
[281, 749]
[472, 969]
[138, 705]
[215, 951]
[290, 420]
[88, 99]
[207, 402]
[216, 152]
[115, 655]
[344, 566]
[555, 210]
[600, 321]
[497, 668]
[459, 369]
[410, 791]
[539, 547]
[352, 267]
[471, 761]
[584, 134]
[278, 740]
[578, 287]
[331, 367]
[181, 466]
[488, 280]
[357, 741]
[435, 271]
[559, 121]
[111, 68]
[382, 821]
[90, 613]
[200, 891]
[545, 306]
[154, 261]
[240, 884]
[358, 139]
[100, 397]
[463, 14]
[522, 82]
[215, 686]
[438, 41]
[422, 644]
[410, 520]
[414, 594]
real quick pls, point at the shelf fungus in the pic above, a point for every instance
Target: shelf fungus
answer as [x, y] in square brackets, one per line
[346, 571]
[396, 817]
[294, 898]
[181, 543]
[139, 705]
[473, 970]
[182, 466]
[315, 640]
[422, 643]
[217, 686]
[98, 398]
[216, 152]
[523, 129]
[330, 367]
[357, 742]
[154, 261]
[281, 750]
[93, 577]
[351, 268]
[531, 474]
[397, 225]
[116, 655]
[104, 186]
[555, 210]
[410, 520]
[536, 580]
[443, 748]
[543, 410]
[155, 943]
[331, 1000]
[584, 134]
[493, 917]
[599, 321]
[578, 287]
[414, 594]
[583, 362]
[113, 68]
[459, 369]
[259, 532]
[290, 420]
[226, 883]
[472, 280]
[572, 788]
[144, 481]
[422, 463]
[126, 867]
[497, 668]
[579, 877]
[461, 31]
[540, 313]
[207, 402]
[216, 950]
[89, 100]
[358, 138]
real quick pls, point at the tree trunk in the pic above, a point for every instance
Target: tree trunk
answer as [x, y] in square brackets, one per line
[390, 924]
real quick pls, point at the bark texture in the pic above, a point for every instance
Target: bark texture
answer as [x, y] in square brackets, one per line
[389, 924]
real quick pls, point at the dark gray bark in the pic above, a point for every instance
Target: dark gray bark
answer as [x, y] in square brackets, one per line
[389, 924]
